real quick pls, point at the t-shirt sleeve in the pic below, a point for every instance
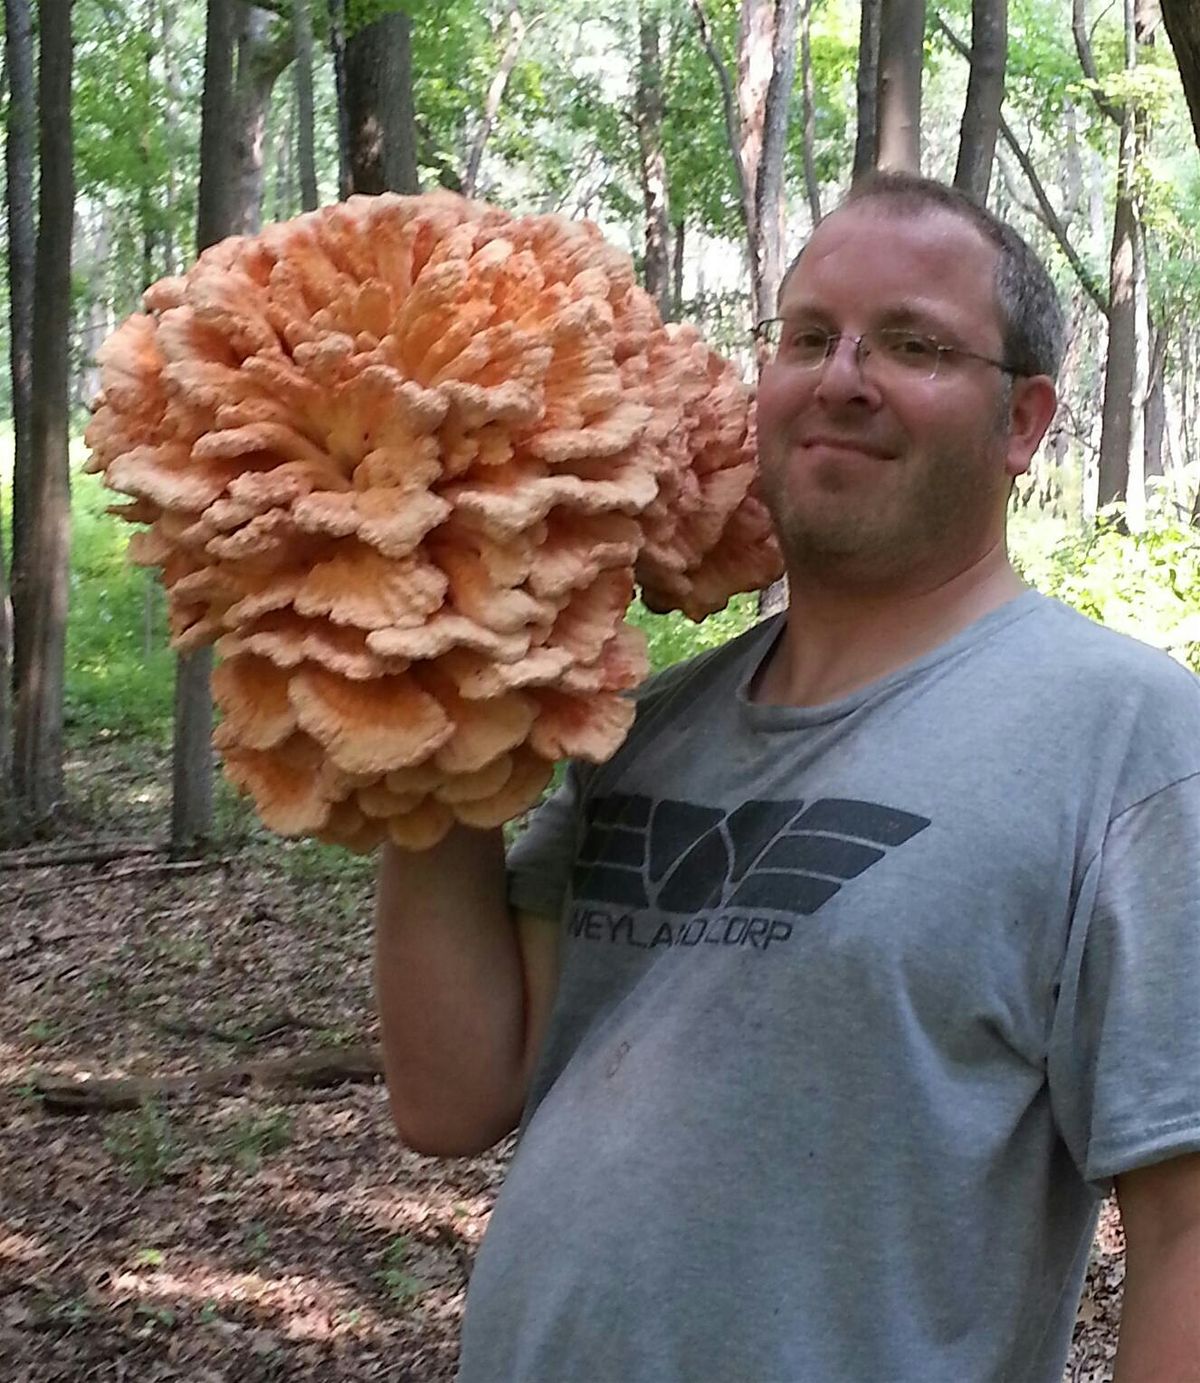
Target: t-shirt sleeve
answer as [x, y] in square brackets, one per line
[1124, 1053]
[541, 859]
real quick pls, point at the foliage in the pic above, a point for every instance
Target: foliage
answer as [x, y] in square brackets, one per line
[255, 1136]
[672, 638]
[144, 1143]
[1145, 584]
[120, 673]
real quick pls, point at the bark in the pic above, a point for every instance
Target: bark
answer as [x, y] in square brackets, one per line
[379, 103]
[729, 109]
[1181, 18]
[305, 156]
[901, 59]
[516, 37]
[652, 164]
[19, 153]
[812, 186]
[865, 141]
[41, 583]
[985, 95]
[171, 125]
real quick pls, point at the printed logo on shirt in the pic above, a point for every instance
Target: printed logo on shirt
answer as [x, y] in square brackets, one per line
[763, 857]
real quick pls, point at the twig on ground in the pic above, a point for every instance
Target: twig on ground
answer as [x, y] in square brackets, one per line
[309, 1070]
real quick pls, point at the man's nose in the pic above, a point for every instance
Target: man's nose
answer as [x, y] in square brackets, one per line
[842, 376]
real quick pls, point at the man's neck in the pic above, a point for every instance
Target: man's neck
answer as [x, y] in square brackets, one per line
[837, 640]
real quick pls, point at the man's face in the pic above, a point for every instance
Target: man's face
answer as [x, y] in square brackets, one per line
[880, 474]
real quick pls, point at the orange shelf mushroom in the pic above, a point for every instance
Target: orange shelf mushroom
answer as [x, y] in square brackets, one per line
[403, 460]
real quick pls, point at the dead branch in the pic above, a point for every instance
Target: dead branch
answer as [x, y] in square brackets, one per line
[745, 199]
[308, 1071]
[257, 1032]
[1049, 217]
[16, 899]
[99, 852]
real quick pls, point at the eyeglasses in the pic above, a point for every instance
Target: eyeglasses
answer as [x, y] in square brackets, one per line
[896, 352]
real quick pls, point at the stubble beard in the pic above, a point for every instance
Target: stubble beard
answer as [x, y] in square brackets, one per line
[882, 536]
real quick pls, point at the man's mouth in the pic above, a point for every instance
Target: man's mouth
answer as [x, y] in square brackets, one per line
[849, 446]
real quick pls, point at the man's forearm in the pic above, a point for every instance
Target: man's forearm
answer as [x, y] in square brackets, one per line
[450, 990]
[1160, 1312]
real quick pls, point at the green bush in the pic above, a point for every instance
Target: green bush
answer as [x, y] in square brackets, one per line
[120, 672]
[1146, 584]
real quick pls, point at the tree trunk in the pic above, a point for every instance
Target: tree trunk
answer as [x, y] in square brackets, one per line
[41, 585]
[1122, 433]
[1156, 406]
[263, 52]
[652, 165]
[216, 217]
[379, 104]
[678, 246]
[305, 156]
[512, 17]
[171, 126]
[865, 142]
[770, 194]
[901, 59]
[19, 156]
[985, 95]
[337, 44]
[1182, 21]
[812, 186]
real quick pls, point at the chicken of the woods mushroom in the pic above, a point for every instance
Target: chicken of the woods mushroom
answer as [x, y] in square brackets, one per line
[403, 461]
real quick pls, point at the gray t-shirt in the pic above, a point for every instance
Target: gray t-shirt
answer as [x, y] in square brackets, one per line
[862, 1005]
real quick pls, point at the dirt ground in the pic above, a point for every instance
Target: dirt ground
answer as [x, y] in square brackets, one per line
[266, 1235]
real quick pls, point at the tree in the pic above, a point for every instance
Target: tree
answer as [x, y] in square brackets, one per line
[652, 167]
[867, 90]
[513, 21]
[1182, 21]
[41, 579]
[985, 95]
[756, 122]
[305, 157]
[379, 105]
[1126, 375]
[265, 47]
[898, 103]
[216, 217]
[19, 155]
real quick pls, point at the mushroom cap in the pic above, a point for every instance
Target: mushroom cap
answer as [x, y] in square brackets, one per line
[403, 459]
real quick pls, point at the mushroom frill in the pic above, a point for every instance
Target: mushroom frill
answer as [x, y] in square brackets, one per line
[403, 461]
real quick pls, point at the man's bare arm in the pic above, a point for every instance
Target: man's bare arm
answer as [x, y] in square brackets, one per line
[463, 989]
[1160, 1313]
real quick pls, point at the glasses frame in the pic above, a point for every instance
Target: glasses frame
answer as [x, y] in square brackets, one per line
[768, 331]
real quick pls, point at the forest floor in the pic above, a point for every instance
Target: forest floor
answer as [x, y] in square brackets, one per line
[269, 1234]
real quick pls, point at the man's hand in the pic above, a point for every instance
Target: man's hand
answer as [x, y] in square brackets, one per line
[1160, 1317]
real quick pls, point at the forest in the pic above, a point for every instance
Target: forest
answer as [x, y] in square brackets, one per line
[199, 1176]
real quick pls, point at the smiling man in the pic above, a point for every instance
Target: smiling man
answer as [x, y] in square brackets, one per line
[831, 1006]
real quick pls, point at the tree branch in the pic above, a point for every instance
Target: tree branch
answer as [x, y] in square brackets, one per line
[1083, 46]
[1050, 218]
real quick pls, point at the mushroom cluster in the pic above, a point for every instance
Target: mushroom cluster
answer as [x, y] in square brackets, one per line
[403, 461]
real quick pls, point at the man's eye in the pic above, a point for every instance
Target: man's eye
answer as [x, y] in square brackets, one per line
[806, 340]
[904, 345]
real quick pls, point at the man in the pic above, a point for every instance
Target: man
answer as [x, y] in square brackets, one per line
[837, 999]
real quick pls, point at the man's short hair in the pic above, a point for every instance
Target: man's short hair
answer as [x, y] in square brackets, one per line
[1031, 316]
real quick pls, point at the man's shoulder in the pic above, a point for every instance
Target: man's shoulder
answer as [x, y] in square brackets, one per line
[691, 675]
[1087, 654]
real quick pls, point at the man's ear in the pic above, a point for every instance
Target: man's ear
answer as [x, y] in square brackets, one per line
[1031, 411]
